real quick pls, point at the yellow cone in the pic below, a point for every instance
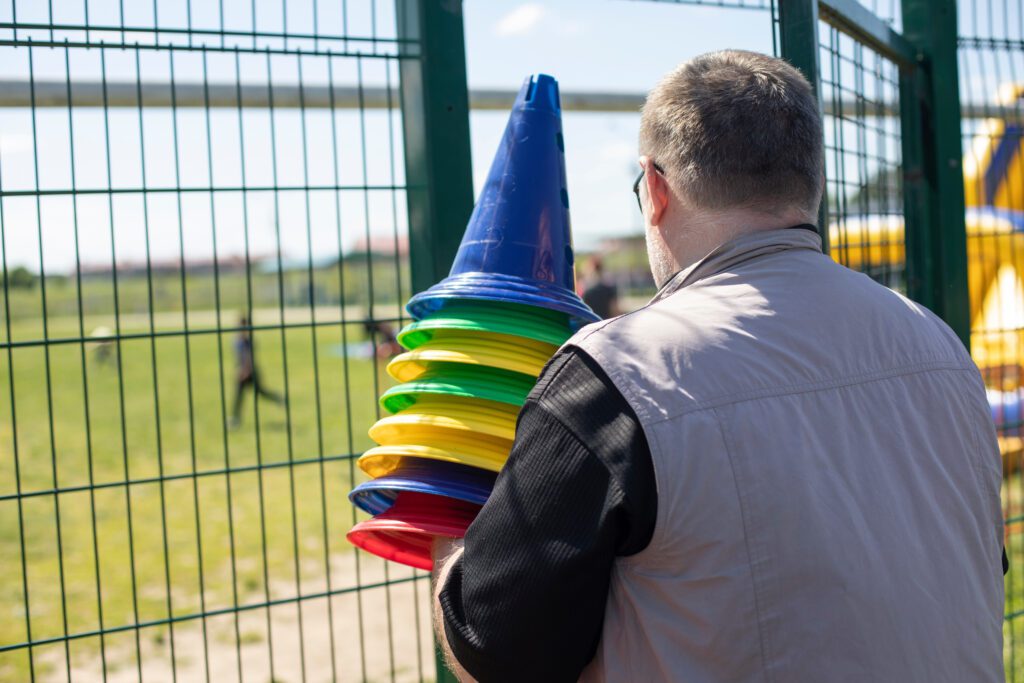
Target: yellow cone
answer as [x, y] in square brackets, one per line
[478, 452]
[515, 354]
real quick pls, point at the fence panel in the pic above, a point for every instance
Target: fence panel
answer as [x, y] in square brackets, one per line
[189, 223]
[205, 218]
[863, 158]
[991, 85]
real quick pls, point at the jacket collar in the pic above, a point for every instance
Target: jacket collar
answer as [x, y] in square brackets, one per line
[740, 250]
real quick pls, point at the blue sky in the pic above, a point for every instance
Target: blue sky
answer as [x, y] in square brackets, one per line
[606, 45]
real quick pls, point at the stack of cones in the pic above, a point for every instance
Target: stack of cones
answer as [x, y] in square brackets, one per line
[479, 340]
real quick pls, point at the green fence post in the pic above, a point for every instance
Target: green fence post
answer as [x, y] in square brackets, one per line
[918, 190]
[435, 127]
[937, 246]
[435, 123]
[799, 45]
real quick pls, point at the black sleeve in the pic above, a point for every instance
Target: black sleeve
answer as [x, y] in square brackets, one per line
[526, 601]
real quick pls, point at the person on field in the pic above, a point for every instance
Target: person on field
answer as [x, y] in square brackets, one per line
[601, 295]
[776, 470]
[383, 337]
[246, 373]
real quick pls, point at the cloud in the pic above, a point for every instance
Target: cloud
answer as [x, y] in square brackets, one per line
[520, 20]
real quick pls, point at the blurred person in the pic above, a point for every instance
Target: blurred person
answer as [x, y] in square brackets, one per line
[104, 350]
[598, 293]
[246, 373]
[383, 337]
[776, 470]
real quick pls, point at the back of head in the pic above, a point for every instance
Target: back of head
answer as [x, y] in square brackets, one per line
[736, 129]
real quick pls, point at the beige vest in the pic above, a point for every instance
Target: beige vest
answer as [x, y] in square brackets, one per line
[828, 481]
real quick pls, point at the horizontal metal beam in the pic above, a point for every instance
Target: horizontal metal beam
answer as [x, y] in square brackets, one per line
[19, 93]
[16, 93]
[853, 18]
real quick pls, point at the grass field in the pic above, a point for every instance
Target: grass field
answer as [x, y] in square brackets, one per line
[172, 544]
[215, 517]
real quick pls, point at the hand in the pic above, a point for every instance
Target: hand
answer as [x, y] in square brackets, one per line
[445, 552]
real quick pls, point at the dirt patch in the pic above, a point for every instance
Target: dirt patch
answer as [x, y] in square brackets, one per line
[376, 633]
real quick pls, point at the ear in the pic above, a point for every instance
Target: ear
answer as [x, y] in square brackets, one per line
[658, 193]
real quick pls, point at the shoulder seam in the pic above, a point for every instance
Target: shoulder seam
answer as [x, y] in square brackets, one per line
[622, 384]
[597, 327]
[812, 387]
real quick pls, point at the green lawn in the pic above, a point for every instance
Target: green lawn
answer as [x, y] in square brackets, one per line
[156, 422]
[1013, 627]
[145, 425]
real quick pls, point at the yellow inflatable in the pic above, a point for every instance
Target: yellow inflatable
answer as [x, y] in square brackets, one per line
[995, 258]
[994, 195]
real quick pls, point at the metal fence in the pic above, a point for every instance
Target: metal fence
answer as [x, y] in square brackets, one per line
[183, 184]
[935, 97]
[863, 153]
[157, 521]
[992, 81]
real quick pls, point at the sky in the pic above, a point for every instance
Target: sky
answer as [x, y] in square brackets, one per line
[588, 45]
[608, 46]
[602, 45]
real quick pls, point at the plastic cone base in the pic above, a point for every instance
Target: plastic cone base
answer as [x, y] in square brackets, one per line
[406, 532]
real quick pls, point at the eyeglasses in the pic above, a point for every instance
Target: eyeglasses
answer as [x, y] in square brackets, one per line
[636, 183]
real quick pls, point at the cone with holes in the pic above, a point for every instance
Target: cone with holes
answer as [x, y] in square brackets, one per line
[517, 248]
[479, 340]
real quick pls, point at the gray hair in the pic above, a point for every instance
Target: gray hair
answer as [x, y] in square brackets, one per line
[736, 129]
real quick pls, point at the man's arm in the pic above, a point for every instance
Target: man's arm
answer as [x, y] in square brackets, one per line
[525, 598]
[446, 551]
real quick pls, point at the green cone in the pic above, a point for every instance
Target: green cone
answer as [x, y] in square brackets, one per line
[451, 379]
[531, 322]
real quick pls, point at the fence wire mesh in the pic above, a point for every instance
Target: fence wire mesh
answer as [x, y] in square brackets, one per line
[863, 165]
[197, 300]
[991, 51]
[203, 241]
[733, 4]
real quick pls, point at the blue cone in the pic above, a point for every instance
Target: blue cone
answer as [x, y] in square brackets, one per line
[424, 476]
[517, 247]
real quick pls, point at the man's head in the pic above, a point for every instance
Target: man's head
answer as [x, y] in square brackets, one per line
[730, 142]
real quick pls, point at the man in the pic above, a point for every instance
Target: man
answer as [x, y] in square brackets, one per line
[601, 296]
[777, 470]
[246, 374]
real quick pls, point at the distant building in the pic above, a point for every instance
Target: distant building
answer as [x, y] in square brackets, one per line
[389, 246]
[225, 265]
